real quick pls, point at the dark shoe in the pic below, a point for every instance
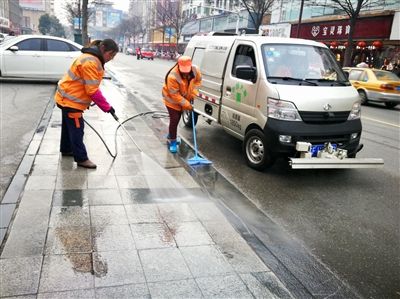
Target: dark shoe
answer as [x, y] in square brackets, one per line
[67, 154]
[87, 164]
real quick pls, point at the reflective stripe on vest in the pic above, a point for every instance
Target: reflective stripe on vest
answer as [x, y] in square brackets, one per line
[71, 97]
[169, 100]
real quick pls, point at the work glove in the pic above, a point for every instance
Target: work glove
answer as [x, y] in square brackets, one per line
[112, 110]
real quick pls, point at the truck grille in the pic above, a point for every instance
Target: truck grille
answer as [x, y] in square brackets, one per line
[325, 117]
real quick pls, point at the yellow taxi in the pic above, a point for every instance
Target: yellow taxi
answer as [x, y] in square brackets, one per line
[375, 85]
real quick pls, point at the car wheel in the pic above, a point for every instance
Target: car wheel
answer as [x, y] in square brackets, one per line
[257, 154]
[187, 118]
[390, 105]
[363, 97]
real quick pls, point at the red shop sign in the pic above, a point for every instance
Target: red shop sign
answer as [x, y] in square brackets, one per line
[366, 28]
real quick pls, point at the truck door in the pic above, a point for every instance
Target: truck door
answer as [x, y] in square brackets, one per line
[238, 95]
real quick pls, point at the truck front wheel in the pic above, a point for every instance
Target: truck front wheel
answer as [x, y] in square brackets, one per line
[187, 118]
[258, 156]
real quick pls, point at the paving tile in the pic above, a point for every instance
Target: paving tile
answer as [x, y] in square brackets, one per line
[134, 196]
[190, 234]
[143, 213]
[164, 264]
[131, 169]
[102, 181]
[44, 170]
[152, 235]
[73, 239]
[75, 294]
[114, 268]
[112, 238]
[20, 276]
[70, 198]
[108, 215]
[229, 286]
[265, 285]
[242, 258]
[205, 261]
[45, 182]
[71, 181]
[131, 181]
[34, 209]
[69, 216]
[164, 195]
[104, 197]
[207, 211]
[25, 242]
[222, 232]
[47, 159]
[66, 272]
[176, 212]
[49, 147]
[130, 291]
[175, 289]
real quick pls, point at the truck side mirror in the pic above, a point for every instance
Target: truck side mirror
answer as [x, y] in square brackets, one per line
[246, 72]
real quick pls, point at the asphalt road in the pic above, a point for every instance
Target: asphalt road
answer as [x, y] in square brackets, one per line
[22, 106]
[348, 219]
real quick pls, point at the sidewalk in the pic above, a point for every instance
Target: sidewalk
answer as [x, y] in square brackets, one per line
[138, 226]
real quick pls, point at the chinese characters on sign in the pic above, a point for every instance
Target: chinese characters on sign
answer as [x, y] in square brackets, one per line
[331, 31]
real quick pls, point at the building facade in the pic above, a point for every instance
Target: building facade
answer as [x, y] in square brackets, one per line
[376, 35]
[31, 13]
[10, 17]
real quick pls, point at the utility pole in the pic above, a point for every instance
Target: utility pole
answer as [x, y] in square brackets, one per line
[85, 37]
[300, 16]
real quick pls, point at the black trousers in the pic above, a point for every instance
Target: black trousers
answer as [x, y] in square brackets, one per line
[72, 127]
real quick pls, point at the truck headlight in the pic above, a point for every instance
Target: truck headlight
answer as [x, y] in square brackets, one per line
[282, 110]
[355, 111]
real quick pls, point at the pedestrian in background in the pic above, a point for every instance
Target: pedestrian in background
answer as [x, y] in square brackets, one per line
[76, 91]
[180, 88]
[138, 53]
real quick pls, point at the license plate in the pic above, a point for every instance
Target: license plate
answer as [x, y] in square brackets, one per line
[398, 87]
[319, 147]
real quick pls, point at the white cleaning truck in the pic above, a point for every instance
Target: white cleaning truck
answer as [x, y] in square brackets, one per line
[283, 97]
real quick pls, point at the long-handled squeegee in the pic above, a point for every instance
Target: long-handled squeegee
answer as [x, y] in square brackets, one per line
[196, 160]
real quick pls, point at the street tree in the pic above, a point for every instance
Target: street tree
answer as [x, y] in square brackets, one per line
[78, 9]
[171, 17]
[129, 27]
[50, 25]
[257, 9]
[352, 9]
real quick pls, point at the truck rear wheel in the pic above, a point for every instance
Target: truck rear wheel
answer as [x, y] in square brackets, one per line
[258, 156]
[187, 118]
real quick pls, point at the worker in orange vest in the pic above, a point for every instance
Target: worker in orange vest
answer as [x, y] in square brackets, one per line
[180, 88]
[76, 91]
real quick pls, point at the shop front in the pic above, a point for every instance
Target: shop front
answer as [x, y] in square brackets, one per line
[372, 41]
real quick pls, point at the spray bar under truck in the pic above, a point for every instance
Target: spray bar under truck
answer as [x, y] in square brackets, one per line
[282, 97]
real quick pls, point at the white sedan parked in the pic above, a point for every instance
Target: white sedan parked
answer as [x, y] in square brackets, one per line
[37, 56]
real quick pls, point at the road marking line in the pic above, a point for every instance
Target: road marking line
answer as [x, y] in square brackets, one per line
[381, 122]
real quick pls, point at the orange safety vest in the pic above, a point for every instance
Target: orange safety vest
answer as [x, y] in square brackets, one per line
[80, 82]
[177, 92]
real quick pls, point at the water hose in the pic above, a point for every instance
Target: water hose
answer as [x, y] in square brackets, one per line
[155, 114]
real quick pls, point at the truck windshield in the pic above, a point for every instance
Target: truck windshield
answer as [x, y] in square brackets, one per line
[298, 64]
